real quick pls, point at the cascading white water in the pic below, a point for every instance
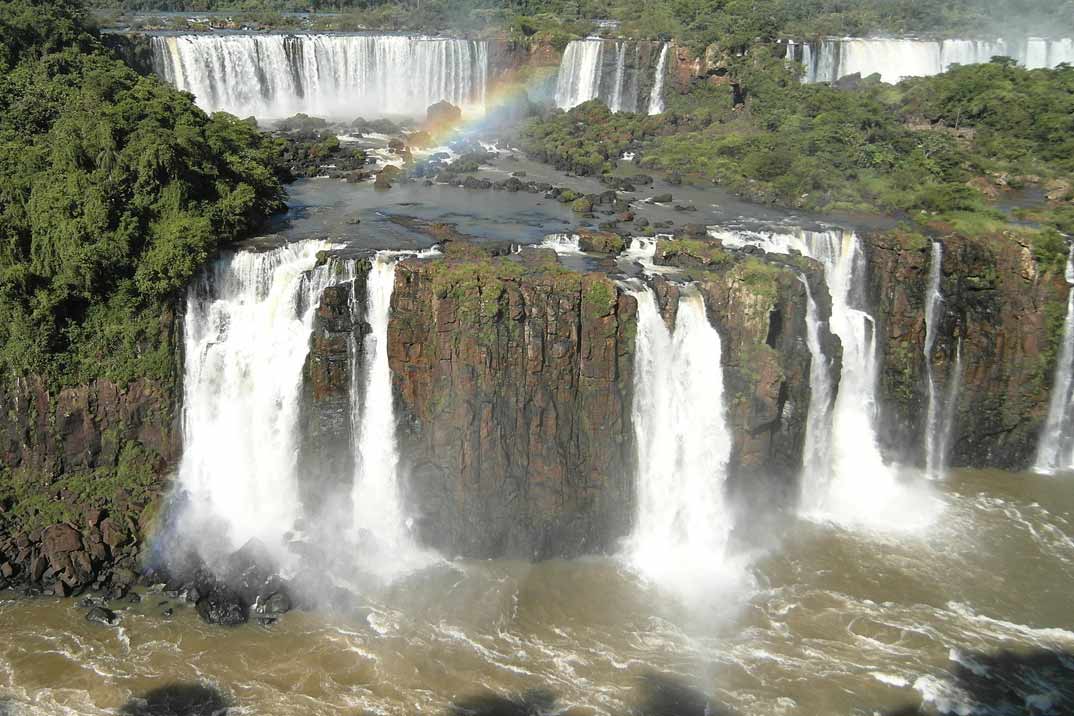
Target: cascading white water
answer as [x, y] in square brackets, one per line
[246, 336]
[816, 460]
[656, 98]
[950, 409]
[615, 103]
[579, 73]
[933, 299]
[566, 244]
[337, 76]
[897, 58]
[382, 527]
[683, 445]
[860, 489]
[1055, 452]
[582, 76]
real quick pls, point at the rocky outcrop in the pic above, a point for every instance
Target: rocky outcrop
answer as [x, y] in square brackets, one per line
[758, 305]
[336, 345]
[1007, 318]
[78, 469]
[513, 381]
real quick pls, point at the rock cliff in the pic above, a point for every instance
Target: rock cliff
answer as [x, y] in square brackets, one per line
[1006, 315]
[513, 379]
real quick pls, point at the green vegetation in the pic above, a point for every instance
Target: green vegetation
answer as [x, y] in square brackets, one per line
[734, 24]
[114, 190]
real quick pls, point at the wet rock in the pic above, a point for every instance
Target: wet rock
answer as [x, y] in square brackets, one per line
[168, 613]
[222, 608]
[442, 115]
[274, 605]
[662, 199]
[600, 242]
[61, 538]
[102, 615]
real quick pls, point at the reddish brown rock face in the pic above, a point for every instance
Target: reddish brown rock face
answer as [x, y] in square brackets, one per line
[1007, 317]
[513, 398]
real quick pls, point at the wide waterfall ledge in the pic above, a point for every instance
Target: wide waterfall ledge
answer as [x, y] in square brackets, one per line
[335, 76]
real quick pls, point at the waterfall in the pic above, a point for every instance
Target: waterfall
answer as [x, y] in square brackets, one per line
[859, 489]
[683, 520]
[656, 97]
[615, 104]
[246, 335]
[382, 528]
[817, 457]
[933, 299]
[1055, 453]
[579, 73]
[582, 76]
[897, 58]
[562, 243]
[336, 76]
[950, 410]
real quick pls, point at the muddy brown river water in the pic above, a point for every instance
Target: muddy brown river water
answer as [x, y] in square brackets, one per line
[971, 615]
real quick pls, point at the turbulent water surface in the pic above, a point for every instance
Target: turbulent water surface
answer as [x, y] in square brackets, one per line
[971, 616]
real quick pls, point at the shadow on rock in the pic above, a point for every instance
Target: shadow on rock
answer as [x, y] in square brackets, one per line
[1040, 682]
[531, 703]
[663, 695]
[178, 700]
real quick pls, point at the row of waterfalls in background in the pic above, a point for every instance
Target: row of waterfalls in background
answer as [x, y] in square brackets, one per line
[626, 75]
[334, 76]
[897, 58]
[271, 76]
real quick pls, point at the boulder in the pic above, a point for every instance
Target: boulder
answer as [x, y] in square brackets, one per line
[102, 615]
[61, 538]
[600, 242]
[662, 199]
[442, 116]
[273, 605]
[113, 535]
[223, 608]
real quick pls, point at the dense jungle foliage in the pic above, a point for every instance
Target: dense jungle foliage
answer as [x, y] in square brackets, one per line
[114, 190]
[915, 147]
[736, 24]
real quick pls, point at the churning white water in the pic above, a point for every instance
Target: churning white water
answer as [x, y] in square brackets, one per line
[656, 99]
[382, 528]
[933, 299]
[683, 521]
[1055, 453]
[338, 76]
[566, 244]
[246, 336]
[897, 58]
[860, 488]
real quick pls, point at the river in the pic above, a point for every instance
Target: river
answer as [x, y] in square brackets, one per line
[968, 616]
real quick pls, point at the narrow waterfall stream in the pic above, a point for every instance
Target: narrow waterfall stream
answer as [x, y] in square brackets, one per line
[385, 541]
[861, 488]
[933, 300]
[656, 98]
[683, 521]
[1055, 452]
[817, 457]
[246, 336]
